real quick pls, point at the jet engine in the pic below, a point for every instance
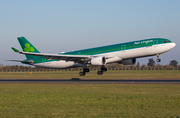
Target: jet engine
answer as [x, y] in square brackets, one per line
[128, 62]
[98, 61]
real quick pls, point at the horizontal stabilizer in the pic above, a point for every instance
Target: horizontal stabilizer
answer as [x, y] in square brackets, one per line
[23, 61]
[15, 60]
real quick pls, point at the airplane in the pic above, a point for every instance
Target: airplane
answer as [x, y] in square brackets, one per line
[122, 53]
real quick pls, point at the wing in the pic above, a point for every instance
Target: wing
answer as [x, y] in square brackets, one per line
[75, 58]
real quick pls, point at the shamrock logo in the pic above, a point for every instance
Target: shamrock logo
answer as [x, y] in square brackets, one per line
[28, 48]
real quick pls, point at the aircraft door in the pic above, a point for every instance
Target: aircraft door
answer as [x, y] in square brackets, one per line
[155, 46]
[44, 60]
[155, 43]
[123, 48]
[79, 53]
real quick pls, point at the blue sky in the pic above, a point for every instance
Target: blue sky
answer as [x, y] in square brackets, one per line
[64, 25]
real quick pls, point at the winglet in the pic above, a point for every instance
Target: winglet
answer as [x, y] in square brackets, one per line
[14, 49]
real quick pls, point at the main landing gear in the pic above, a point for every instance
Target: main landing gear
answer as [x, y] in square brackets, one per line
[103, 69]
[158, 58]
[85, 70]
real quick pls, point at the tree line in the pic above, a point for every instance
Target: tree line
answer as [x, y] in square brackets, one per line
[150, 64]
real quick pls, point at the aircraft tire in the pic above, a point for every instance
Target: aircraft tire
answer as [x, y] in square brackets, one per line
[82, 73]
[158, 60]
[104, 69]
[86, 70]
[100, 72]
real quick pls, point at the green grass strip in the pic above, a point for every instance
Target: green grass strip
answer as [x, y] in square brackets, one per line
[89, 100]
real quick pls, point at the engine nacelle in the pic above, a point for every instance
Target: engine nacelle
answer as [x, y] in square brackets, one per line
[98, 61]
[128, 62]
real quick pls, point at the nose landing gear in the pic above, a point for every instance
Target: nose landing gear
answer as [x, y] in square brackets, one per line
[158, 58]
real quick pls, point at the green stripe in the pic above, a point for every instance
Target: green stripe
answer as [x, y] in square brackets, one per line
[117, 47]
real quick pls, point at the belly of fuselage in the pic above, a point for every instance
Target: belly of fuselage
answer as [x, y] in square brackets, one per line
[55, 64]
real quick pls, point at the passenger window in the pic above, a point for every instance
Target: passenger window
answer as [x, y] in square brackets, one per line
[167, 41]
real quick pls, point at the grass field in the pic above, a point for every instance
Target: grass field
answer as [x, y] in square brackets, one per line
[133, 74]
[90, 100]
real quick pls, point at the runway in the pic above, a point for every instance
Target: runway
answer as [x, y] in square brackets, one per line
[89, 81]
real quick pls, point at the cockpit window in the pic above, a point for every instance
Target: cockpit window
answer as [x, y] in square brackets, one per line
[167, 41]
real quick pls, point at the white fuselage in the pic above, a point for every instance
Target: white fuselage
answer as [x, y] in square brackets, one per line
[115, 56]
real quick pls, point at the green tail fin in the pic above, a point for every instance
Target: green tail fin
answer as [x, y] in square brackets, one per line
[28, 47]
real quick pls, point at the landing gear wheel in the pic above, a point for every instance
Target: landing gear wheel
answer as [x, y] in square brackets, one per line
[104, 69]
[158, 56]
[82, 73]
[86, 70]
[158, 60]
[100, 72]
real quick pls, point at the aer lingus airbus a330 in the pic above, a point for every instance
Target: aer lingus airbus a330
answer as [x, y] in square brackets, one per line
[123, 53]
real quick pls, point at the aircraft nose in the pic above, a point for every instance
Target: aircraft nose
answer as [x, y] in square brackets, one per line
[174, 45]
